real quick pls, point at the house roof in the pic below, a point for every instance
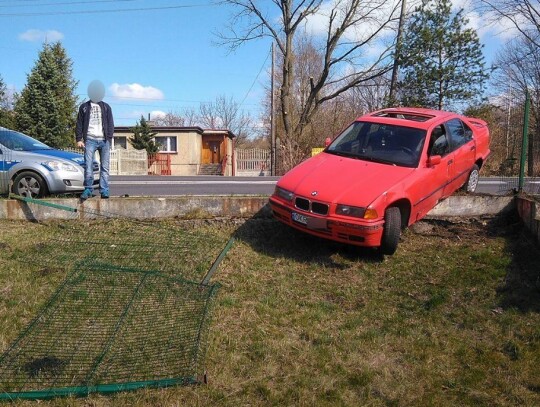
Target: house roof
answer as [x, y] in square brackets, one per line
[179, 129]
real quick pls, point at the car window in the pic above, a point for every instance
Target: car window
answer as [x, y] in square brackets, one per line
[380, 142]
[459, 132]
[438, 143]
[20, 142]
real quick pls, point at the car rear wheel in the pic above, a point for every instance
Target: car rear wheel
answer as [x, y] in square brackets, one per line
[391, 230]
[29, 184]
[472, 180]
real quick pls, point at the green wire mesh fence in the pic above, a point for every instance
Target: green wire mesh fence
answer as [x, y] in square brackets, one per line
[134, 310]
[171, 246]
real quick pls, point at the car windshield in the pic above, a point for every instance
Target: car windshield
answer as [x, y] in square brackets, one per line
[384, 143]
[20, 142]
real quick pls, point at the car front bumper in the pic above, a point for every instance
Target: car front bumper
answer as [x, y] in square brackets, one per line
[351, 231]
[62, 182]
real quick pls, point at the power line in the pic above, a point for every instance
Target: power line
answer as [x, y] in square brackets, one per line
[53, 13]
[65, 3]
[256, 78]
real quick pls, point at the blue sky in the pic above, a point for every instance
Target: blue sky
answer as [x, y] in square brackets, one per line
[168, 55]
[149, 60]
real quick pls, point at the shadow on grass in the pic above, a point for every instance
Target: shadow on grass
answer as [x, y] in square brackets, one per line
[266, 235]
[521, 287]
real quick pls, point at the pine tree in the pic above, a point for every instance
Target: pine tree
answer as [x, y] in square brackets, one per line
[441, 61]
[6, 113]
[143, 137]
[66, 92]
[46, 107]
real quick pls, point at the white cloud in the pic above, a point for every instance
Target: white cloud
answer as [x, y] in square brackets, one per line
[34, 35]
[375, 13]
[156, 114]
[486, 23]
[135, 91]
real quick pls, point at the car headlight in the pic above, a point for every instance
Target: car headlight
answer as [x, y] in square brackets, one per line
[356, 212]
[58, 165]
[283, 194]
[348, 210]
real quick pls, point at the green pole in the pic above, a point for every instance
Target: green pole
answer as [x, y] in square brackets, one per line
[221, 256]
[43, 203]
[524, 141]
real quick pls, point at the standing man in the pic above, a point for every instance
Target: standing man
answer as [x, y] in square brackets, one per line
[94, 131]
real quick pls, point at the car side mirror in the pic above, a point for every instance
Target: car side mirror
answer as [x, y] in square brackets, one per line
[327, 141]
[434, 160]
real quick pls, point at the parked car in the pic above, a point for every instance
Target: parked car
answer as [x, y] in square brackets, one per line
[37, 169]
[384, 172]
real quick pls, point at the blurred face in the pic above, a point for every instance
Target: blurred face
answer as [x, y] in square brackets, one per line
[96, 91]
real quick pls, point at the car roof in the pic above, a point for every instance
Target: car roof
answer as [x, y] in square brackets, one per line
[408, 116]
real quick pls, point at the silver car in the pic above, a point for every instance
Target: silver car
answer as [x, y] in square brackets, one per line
[35, 169]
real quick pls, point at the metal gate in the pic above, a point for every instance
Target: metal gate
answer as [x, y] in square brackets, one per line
[159, 164]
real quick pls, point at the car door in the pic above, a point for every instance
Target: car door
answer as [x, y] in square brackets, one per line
[463, 149]
[433, 175]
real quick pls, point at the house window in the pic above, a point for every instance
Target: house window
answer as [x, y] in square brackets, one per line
[119, 143]
[166, 144]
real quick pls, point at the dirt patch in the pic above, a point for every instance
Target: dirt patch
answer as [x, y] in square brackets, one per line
[45, 271]
[468, 229]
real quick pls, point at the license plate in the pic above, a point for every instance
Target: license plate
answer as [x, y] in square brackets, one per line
[299, 218]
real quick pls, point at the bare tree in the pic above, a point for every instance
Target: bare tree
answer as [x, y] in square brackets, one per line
[350, 28]
[225, 113]
[523, 14]
[190, 117]
[186, 117]
[518, 73]
[171, 119]
[369, 96]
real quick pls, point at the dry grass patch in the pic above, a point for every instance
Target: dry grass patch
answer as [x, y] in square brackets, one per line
[451, 319]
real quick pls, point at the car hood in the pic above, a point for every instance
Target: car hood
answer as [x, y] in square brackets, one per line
[342, 180]
[47, 154]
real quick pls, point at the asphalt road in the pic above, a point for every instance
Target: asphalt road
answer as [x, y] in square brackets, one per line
[215, 185]
[197, 185]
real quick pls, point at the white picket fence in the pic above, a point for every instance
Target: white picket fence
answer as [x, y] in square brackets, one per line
[252, 162]
[123, 162]
[129, 162]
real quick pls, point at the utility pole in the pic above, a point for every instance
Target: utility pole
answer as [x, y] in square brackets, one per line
[395, 68]
[272, 121]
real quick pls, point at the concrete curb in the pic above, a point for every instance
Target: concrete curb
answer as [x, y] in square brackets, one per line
[137, 207]
[215, 206]
[529, 212]
[472, 206]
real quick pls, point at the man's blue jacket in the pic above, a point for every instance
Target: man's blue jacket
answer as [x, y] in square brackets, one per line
[83, 120]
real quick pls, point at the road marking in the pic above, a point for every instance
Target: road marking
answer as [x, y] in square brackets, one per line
[192, 182]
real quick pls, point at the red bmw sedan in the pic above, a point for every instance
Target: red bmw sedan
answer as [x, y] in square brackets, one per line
[384, 172]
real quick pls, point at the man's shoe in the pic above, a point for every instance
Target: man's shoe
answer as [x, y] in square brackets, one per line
[86, 194]
[105, 195]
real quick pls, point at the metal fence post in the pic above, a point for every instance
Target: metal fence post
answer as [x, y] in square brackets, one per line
[524, 141]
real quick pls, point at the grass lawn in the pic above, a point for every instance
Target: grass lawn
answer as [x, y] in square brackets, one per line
[453, 318]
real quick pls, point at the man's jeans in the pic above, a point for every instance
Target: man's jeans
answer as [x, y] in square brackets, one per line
[104, 148]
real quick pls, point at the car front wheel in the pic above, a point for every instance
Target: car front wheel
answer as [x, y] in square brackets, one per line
[29, 184]
[391, 230]
[472, 180]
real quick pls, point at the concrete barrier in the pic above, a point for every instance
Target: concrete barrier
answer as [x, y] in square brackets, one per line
[529, 212]
[137, 207]
[472, 206]
[215, 206]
